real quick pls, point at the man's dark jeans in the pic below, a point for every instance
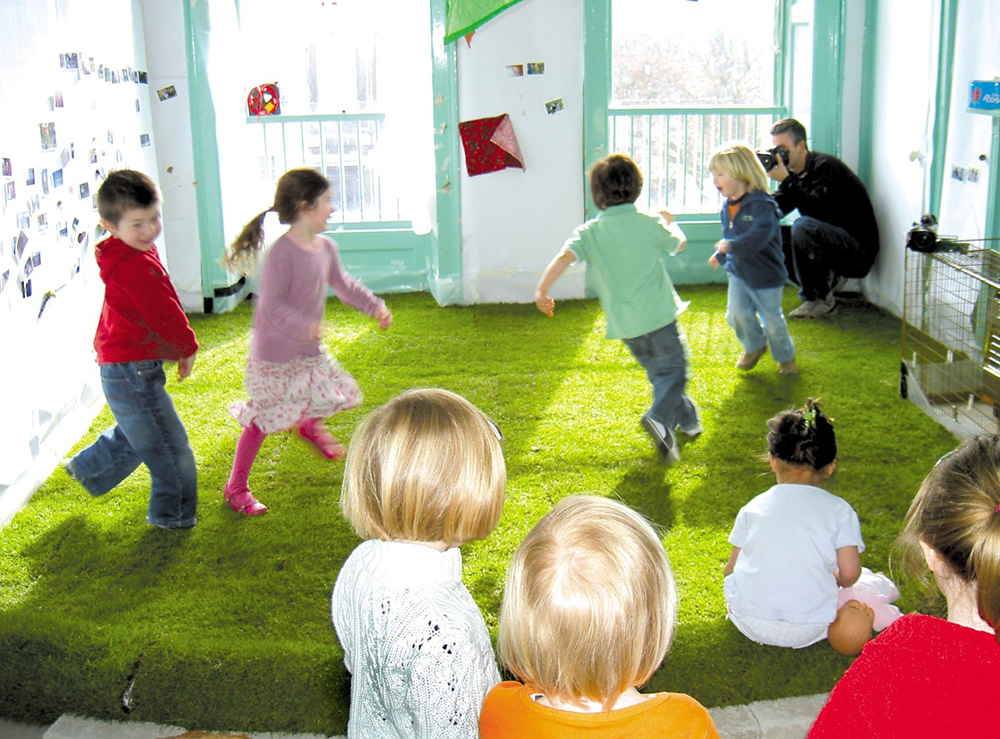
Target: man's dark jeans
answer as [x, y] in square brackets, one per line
[816, 252]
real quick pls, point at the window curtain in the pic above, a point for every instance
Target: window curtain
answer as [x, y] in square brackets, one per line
[465, 16]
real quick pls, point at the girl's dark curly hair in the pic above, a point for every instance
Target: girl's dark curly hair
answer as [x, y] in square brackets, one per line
[803, 436]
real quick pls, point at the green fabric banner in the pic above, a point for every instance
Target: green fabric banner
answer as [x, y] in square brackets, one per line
[464, 16]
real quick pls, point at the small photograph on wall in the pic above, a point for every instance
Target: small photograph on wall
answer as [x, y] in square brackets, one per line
[24, 221]
[9, 192]
[8, 170]
[29, 178]
[93, 156]
[143, 78]
[43, 222]
[536, 68]
[84, 190]
[144, 139]
[58, 99]
[72, 60]
[45, 182]
[57, 178]
[513, 70]
[165, 93]
[48, 134]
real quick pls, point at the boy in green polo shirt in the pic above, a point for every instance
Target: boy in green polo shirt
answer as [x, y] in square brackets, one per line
[624, 249]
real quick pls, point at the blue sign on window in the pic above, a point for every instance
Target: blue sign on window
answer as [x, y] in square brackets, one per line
[984, 96]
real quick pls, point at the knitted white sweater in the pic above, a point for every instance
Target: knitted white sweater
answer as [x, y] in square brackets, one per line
[414, 642]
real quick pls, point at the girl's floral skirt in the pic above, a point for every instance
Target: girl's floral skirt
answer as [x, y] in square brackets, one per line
[283, 393]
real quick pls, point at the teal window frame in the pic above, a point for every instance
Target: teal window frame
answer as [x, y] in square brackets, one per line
[824, 126]
[388, 256]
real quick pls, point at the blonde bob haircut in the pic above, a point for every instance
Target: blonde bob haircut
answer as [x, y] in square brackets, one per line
[957, 513]
[739, 162]
[589, 608]
[426, 466]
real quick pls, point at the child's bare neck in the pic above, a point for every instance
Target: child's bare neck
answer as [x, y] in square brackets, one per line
[799, 475]
[630, 697]
[303, 234]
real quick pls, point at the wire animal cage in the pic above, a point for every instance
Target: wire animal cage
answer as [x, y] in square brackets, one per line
[951, 338]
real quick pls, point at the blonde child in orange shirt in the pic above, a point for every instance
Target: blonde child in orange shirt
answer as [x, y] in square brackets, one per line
[591, 566]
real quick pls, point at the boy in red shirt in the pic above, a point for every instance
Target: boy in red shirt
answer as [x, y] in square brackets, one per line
[141, 326]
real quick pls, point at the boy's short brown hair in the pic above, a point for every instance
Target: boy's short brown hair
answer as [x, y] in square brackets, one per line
[589, 608]
[615, 180]
[124, 190]
[426, 466]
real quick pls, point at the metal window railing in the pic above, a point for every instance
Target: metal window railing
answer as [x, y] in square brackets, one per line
[672, 147]
[344, 148]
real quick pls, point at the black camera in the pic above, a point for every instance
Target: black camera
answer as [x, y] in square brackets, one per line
[770, 157]
[923, 235]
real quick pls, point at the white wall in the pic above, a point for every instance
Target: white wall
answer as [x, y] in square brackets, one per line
[963, 202]
[903, 119]
[50, 385]
[514, 221]
[167, 59]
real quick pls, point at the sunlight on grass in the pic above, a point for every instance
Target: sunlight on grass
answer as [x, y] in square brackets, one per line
[229, 624]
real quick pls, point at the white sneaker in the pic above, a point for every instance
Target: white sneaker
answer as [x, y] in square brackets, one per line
[814, 308]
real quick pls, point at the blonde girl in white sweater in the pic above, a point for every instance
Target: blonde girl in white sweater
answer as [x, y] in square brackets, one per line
[424, 475]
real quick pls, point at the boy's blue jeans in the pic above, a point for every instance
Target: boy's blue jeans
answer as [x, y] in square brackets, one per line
[150, 432]
[663, 354]
[745, 304]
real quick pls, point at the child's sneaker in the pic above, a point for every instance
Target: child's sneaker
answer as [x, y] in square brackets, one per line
[748, 360]
[788, 368]
[666, 442]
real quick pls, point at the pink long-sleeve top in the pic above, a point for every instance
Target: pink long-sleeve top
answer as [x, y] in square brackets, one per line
[293, 298]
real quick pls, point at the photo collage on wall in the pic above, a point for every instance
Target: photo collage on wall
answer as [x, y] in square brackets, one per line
[48, 215]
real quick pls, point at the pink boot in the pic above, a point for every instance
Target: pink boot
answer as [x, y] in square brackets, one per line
[314, 431]
[243, 502]
[236, 491]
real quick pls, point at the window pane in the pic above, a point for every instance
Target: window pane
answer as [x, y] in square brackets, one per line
[678, 53]
[330, 63]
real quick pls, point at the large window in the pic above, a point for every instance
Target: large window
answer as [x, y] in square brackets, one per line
[354, 77]
[685, 77]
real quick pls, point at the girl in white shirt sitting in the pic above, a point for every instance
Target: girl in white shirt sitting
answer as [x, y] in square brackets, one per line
[797, 548]
[424, 475]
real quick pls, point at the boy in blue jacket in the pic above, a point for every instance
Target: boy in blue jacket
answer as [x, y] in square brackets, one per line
[750, 249]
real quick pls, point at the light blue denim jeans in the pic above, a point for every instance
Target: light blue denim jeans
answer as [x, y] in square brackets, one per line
[663, 354]
[149, 432]
[756, 316]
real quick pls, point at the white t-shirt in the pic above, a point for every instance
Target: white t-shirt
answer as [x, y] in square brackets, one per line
[416, 645]
[789, 537]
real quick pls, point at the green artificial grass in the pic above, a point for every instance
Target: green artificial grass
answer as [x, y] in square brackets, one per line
[228, 625]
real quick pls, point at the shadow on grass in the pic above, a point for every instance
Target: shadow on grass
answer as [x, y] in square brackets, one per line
[228, 625]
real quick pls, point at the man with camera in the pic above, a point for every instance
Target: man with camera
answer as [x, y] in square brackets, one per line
[836, 236]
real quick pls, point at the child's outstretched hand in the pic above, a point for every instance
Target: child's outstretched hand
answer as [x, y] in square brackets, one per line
[545, 304]
[184, 366]
[384, 318]
[667, 216]
[714, 261]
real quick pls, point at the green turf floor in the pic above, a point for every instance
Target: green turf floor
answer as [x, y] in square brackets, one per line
[228, 625]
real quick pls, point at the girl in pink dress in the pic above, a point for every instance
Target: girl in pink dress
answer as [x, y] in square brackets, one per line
[292, 382]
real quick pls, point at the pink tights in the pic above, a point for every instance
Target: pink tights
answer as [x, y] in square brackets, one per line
[246, 452]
